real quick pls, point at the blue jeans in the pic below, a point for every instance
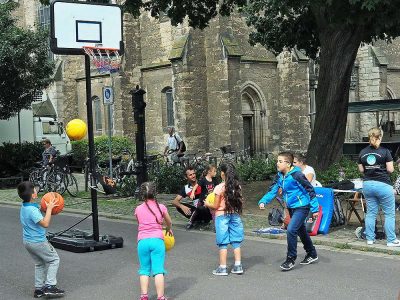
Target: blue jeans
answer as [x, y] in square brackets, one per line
[229, 230]
[46, 263]
[296, 228]
[378, 194]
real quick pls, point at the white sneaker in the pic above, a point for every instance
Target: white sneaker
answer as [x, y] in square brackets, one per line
[395, 243]
[370, 242]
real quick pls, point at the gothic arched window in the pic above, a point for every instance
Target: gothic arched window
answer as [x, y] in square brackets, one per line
[168, 107]
[98, 114]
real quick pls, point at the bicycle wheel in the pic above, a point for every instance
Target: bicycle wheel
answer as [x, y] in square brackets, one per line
[71, 184]
[55, 182]
[34, 178]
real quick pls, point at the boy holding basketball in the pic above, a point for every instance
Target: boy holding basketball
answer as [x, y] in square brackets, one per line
[34, 238]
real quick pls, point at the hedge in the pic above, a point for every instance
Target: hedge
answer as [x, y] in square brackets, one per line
[80, 149]
[16, 159]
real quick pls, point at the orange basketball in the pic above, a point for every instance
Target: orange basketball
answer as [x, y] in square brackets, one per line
[59, 202]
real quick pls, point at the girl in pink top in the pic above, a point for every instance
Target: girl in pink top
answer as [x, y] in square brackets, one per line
[151, 249]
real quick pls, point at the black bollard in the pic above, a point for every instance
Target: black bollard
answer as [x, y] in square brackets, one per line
[139, 106]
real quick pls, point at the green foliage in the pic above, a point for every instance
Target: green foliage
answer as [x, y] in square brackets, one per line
[17, 159]
[80, 149]
[349, 167]
[128, 187]
[281, 24]
[290, 23]
[169, 179]
[24, 64]
[256, 170]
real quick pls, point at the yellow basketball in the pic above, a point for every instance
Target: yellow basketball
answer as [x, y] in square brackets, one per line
[210, 198]
[76, 129]
[169, 241]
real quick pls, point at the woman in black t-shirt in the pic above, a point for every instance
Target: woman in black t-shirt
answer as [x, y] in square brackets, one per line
[376, 163]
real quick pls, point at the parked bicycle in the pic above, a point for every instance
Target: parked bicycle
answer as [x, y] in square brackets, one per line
[56, 177]
[244, 156]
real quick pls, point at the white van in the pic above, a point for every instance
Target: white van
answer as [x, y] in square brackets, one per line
[35, 125]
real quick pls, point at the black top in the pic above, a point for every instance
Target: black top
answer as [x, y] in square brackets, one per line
[207, 187]
[374, 163]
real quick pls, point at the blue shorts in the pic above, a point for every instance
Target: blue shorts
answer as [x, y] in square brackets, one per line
[151, 254]
[229, 230]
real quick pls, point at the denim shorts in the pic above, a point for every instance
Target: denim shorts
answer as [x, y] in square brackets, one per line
[151, 254]
[229, 230]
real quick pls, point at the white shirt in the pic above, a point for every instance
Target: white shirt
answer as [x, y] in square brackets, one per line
[172, 142]
[310, 170]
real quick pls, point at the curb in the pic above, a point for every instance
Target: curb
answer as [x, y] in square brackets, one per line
[337, 244]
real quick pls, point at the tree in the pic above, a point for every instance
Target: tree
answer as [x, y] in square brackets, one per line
[331, 29]
[24, 64]
[334, 30]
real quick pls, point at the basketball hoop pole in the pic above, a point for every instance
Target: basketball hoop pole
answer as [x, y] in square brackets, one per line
[78, 28]
[93, 192]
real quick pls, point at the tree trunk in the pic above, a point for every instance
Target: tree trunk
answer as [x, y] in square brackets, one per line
[339, 48]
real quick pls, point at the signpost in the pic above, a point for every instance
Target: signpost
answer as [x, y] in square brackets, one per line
[108, 100]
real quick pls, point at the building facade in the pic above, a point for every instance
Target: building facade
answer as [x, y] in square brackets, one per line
[212, 86]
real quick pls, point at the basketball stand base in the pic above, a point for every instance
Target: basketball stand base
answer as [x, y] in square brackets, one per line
[79, 241]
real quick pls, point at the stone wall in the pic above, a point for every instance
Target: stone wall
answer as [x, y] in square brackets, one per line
[372, 79]
[291, 127]
[153, 83]
[262, 78]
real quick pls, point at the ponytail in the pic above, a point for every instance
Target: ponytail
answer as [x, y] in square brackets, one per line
[148, 191]
[233, 191]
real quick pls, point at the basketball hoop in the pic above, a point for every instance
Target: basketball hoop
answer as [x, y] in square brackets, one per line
[105, 59]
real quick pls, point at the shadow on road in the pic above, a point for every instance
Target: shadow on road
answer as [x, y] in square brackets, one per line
[252, 261]
[179, 285]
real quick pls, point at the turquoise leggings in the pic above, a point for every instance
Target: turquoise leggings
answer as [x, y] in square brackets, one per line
[151, 254]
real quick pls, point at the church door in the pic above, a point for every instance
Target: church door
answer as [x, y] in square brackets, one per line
[248, 133]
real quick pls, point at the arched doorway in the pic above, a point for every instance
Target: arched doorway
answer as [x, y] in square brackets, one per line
[254, 114]
[248, 123]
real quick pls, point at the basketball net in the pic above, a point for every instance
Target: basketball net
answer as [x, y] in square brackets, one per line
[105, 59]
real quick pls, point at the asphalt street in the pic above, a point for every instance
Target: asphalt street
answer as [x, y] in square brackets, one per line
[112, 274]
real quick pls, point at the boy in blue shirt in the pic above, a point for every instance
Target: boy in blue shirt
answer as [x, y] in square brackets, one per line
[300, 198]
[34, 238]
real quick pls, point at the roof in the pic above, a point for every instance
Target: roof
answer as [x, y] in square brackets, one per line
[44, 108]
[374, 106]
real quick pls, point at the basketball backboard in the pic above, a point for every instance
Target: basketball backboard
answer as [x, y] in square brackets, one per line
[75, 25]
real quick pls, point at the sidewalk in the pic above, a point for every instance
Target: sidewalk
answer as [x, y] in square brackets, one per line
[122, 208]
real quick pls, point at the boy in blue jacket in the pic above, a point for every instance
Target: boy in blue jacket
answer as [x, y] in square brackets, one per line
[300, 198]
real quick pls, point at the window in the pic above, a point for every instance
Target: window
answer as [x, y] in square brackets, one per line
[38, 96]
[312, 108]
[110, 118]
[50, 127]
[43, 14]
[98, 117]
[170, 107]
[167, 107]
